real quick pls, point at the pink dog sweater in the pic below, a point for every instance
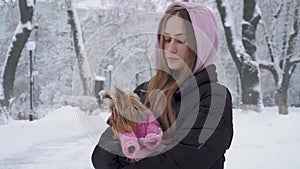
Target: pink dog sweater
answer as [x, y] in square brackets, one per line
[147, 134]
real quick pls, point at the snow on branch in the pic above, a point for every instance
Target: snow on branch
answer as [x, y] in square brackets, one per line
[12, 56]
[30, 3]
[1, 90]
[81, 55]
[293, 36]
[277, 13]
[257, 12]
[268, 41]
[19, 30]
[235, 46]
[266, 65]
[228, 19]
[10, 3]
[256, 16]
[295, 61]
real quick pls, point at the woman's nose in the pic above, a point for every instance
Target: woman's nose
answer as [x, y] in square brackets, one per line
[172, 46]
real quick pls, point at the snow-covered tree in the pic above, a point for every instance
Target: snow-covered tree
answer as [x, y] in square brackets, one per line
[81, 56]
[281, 33]
[243, 49]
[21, 34]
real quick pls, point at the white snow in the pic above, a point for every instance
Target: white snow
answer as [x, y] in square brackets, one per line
[238, 46]
[257, 11]
[245, 22]
[228, 20]
[65, 138]
[20, 27]
[30, 3]
[230, 23]
[279, 71]
[1, 90]
[90, 4]
[60, 140]
[265, 140]
[100, 78]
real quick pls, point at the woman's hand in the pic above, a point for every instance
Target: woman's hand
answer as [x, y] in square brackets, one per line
[144, 152]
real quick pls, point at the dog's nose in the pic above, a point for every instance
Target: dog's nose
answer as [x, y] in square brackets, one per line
[109, 121]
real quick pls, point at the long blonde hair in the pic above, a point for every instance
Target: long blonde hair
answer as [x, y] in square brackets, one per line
[168, 80]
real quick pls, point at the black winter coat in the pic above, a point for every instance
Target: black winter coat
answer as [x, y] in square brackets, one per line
[204, 129]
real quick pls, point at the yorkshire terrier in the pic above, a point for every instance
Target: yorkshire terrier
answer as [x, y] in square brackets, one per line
[132, 123]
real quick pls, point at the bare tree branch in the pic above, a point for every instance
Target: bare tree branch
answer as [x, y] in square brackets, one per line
[270, 49]
[276, 15]
[292, 69]
[10, 4]
[228, 32]
[296, 61]
[270, 67]
[267, 66]
[6, 3]
[293, 36]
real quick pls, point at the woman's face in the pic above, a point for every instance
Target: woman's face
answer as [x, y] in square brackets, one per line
[175, 46]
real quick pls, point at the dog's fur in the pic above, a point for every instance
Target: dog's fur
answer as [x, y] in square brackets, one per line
[126, 110]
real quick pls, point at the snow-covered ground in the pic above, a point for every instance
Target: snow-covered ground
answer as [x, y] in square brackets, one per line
[65, 139]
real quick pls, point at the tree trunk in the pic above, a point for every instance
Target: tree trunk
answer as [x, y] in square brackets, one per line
[245, 60]
[287, 65]
[282, 101]
[250, 88]
[20, 37]
[83, 66]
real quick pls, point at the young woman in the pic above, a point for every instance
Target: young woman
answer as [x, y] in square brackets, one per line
[193, 109]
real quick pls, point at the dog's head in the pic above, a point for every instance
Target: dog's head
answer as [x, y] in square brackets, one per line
[126, 110]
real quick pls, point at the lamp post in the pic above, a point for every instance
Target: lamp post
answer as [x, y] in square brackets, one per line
[31, 47]
[136, 79]
[110, 68]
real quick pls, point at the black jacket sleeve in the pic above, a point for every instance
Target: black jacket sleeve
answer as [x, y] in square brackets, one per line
[106, 154]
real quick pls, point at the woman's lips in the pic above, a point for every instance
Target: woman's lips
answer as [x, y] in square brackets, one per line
[172, 59]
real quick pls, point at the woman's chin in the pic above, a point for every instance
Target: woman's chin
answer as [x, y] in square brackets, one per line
[174, 66]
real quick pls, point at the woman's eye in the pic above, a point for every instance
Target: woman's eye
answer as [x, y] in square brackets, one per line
[167, 39]
[180, 41]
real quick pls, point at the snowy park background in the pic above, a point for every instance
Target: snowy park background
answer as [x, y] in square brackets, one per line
[115, 39]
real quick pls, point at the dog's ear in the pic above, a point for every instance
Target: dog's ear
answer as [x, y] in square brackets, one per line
[121, 99]
[104, 94]
[119, 92]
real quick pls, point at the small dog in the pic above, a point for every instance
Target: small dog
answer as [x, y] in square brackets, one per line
[132, 122]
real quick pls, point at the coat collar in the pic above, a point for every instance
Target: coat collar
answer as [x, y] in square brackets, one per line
[205, 76]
